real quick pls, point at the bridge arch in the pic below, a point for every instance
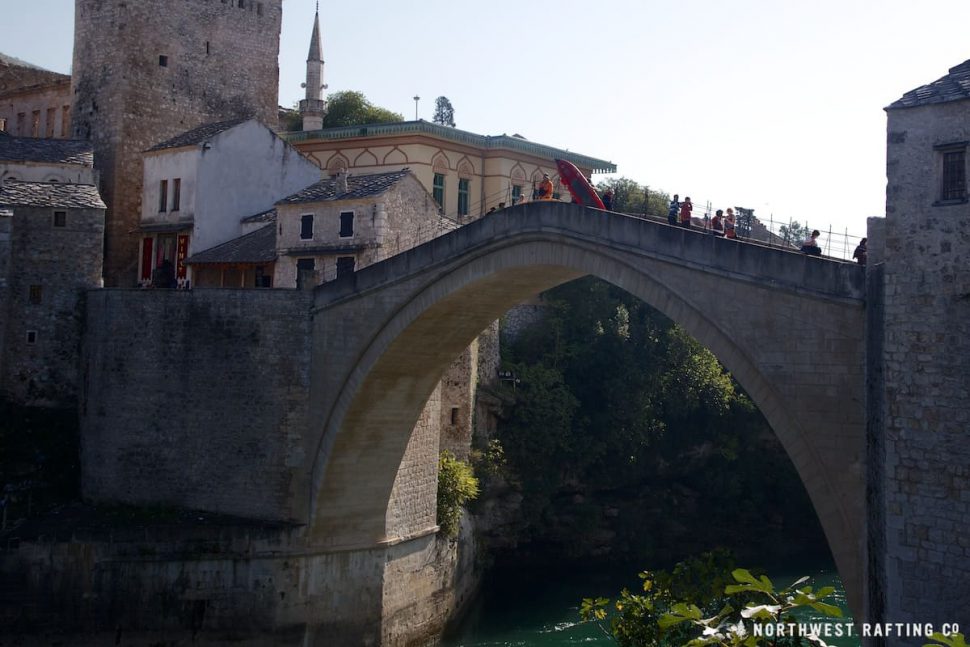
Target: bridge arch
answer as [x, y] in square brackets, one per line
[789, 328]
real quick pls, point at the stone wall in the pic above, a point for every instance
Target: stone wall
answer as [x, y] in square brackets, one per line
[925, 486]
[47, 270]
[143, 74]
[206, 580]
[197, 399]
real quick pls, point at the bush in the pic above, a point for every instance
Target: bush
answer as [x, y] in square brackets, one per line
[456, 486]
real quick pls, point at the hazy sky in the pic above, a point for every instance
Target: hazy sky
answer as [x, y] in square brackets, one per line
[771, 105]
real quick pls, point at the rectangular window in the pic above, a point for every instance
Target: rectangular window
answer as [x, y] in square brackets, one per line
[35, 123]
[162, 60]
[163, 196]
[346, 224]
[65, 121]
[345, 265]
[516, 194]
[259, 8]
[176, 193]
[305, 268]
[60, 219]
[31, 336]
[954, 185]
[35, 294]
[438, 189]
[306, 227]
[51, 120]
[463, 185]
[21, 123]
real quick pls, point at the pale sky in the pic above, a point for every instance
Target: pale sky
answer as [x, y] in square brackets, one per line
[771, 105]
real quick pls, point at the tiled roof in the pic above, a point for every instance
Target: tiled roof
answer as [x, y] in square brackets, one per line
[358, 186]
[13, 61]
[255, 247]
[266, 216]
[52, 151]
[952, 87]
[199, 135]
[50, 194]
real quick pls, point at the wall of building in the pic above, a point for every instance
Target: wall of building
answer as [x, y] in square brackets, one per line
[221, 62]
[196, 399]
[40, 172]
[491, 173]
[925, 495]
[182, 163]
[52, 103]
[245, 172]
[48, 270]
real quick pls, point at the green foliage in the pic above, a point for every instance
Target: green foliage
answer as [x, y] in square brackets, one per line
[351, 108]
[794, 233]
[457, 486]
[444, 113]
[615, 400]
[706, 601]
[953, 640]
[629, 196]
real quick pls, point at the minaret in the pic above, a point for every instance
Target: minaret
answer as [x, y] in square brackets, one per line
[314, 107]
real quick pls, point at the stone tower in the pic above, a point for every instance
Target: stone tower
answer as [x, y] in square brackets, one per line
[314, 106]
[147, 70]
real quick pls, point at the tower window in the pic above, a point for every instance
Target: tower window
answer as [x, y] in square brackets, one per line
[60, 219]
[206, 48]
[259, 8]
[953, 186]
[35, 294]
[454, 415]
[306, 227]
[31, 337]
[346, 224]
[162, 60]
[242, 4]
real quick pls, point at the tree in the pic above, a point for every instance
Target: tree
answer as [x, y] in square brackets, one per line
[350, 108]
[444, 113]
[794, 233]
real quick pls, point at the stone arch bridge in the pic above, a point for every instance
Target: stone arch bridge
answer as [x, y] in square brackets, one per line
[789, 327]
[323, 438]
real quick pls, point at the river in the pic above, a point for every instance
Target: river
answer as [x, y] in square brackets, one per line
[523, 607]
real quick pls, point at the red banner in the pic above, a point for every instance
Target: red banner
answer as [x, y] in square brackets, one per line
[180, 253]
[146, 259]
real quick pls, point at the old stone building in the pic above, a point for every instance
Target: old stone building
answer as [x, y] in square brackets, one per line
[200, 184]
[143, 73]
[919, 270]
[51, 236]
[34, 102]
[343, 223]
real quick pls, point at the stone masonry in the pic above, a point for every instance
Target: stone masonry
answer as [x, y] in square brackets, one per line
[921, 489]
[144, 72]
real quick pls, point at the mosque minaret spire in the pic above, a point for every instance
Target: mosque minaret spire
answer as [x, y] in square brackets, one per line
[314, 106]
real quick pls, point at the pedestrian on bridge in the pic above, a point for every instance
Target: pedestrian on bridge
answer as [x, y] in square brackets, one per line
[810, 246]
[685, 210]
[730, 226]
[674, 210]
[717, 223]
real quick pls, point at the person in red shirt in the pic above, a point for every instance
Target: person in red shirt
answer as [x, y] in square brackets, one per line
[685, 208]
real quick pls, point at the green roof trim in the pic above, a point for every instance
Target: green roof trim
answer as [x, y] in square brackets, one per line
[461, 136]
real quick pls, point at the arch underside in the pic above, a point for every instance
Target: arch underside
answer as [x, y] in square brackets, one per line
[799, 357]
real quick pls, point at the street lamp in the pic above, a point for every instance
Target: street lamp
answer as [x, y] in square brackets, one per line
[416, 99]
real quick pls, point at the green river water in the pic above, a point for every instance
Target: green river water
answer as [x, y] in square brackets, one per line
[539, 608]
